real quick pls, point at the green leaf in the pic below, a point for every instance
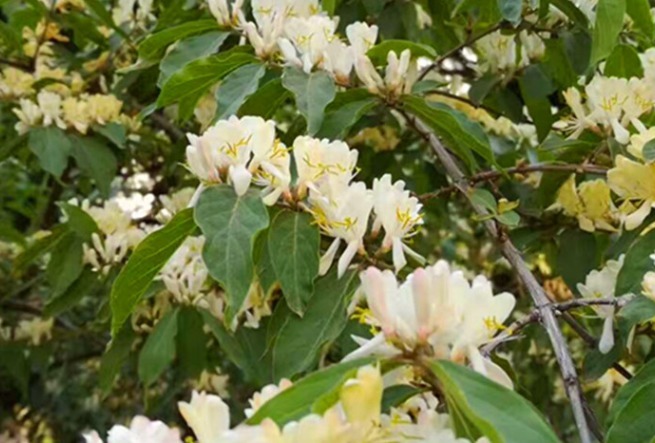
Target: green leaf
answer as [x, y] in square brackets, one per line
[39, 247]
[144, 264]
[639, 12]
[644, 376]
[535, 86]
[117, 352]
[191, 341]
[558, 64]
[313, 92]
[190, 82]
[477, 398]
[153, 47]
[511, 10]
[294, 249]
[297, 401]
[460, 134]
[576, 257]
[266, 100]
[246, 348]
[96, 160]
[159, 350]
[263, 266]
[509, 218]
[104, 14]
[396, 395]
[188, 50]
[297, 341]
[572, 12]
[378, 53]
[236, 88]
[52, 147]
[635, 265]
[624, 62]
[79, 221]
[484, 198]
[635, 422]
[85, 284]
[346, 110]
[608, 26]
[114, 132]
[230, 225]
[65, 264]
[639, 310]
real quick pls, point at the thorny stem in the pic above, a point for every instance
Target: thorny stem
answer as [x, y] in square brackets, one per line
[536, 291]
[521, 169]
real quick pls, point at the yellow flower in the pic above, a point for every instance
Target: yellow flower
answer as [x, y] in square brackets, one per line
[590, 203]
[634, 182]
[361, 396]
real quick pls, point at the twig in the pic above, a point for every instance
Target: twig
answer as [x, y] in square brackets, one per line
[536, 291]
[521, 169]
[469, 41]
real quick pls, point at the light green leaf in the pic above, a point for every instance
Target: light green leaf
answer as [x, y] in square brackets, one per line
[153, 47]
[635, 422]
[230, 225]
[295, 342]
[378, 53]
[190, 82]
[266, 100]
[297, 401]
[477, 398]
[96, 160]
[484, 198]
[236, 88]
[644, 376]
[159, 350]
[79, 221]
[145, 262]
[460, 134]
[52, 147]
[648, 151]
[572, 12]
[313, 92]
[608, 26]
[635, 265]
[509, 218]
[294, 248]
[511, 10]
[624, 62]
[188, 50]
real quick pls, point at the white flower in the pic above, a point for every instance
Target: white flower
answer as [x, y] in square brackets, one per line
[368, 75]
[310, 38]
[322, 161]
[606, 97]
[400, 73]
[362, 37]
[225, 14]
[398, 213]
[265, 394]
[338, 61]
[207, 415]
[342, 213]
[185, 273]
[29, 115]
[36, 330]
[141, 430]
[601, 284]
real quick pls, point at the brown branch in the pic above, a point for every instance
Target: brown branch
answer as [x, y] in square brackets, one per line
[536, 291]
[521, 169]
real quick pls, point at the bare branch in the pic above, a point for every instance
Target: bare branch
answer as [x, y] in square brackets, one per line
[536, 291]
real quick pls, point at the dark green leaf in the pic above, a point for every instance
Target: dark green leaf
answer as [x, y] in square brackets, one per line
[263, 266]
[635, 265]
[84, 285]
[117, 352]
[535, 86]
[477, 398]
[39, 247]
[114, 132]
[230, 225]
[266, 100]
[572, 12]
[644, 376]
[624, 62]
[52, 147]
[188, 50]
[159, 350]
[313, 92]
[558, 64]
[65, 264]
[294, 249]
[346, 110]
[296, 402]
[96, 160]
[576, 257]
[608, 26]
[639, 12]
[153, 47]
[79, 221]
[635, 422]
[639, 310]
[396, 395]
[378, 53]
[144, 264]
[236, 88]
[191, 342]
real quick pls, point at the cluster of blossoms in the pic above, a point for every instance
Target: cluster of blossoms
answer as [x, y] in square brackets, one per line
[245, 151]
[35, 331]
[355, 418]
[507, 53]
[436, 312]
[306, 37]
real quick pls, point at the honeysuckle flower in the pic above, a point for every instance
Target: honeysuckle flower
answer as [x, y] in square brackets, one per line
[29, 115]
[601, 284]
[579, 120]
[639, 140]
[368, 75]
[265, 394]
[141, 430]
[342, 213]
[226, 14]
[307, 40]
[207, 415]
[590, 203]
[362, 37]
[321, 161]
[436, 310]
[361, 397]
[634, 182]
[400, 73]
[15, 83]
[499, 51]
[174, 203]
[606, 98]
[36, 330]
[185, 273]
[398, 213]
[271, 166]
